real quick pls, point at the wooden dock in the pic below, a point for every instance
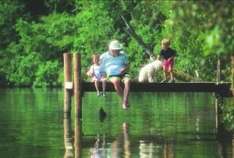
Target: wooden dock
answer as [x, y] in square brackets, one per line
[222, 89]
[75, 86]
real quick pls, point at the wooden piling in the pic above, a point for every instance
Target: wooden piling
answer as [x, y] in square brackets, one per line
[68, 136]
[216, 113]
[219, 102]
[218, 74]
[219, 114]
[232, 74]
[233, 146]
[77, 84]
[67, 82]
[78, 138]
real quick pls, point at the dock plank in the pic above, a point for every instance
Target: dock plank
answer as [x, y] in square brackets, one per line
[221, 88]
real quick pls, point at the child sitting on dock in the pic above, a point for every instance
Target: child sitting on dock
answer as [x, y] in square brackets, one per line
[168, 54]
[96, 76]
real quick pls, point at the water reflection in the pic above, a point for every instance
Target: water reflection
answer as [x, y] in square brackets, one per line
[226, 147]
[99, 150]
[197, 127]
[156, 148]
[168, 132]
[30, 125]
[142, 147]
[78, 138]
[232, 146]
[68, 141]
[121, 146]
[70, 149]
[168, 151]
[146, 149]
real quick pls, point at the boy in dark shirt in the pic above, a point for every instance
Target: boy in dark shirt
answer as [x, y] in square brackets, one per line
[168, 55]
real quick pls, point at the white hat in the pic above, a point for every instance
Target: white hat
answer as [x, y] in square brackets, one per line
[115, 45]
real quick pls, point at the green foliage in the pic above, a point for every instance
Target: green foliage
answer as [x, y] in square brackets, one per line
[95, 29]
[228, 114]
[34, 40]
[47, 74]
[22, 73]
[9, 11]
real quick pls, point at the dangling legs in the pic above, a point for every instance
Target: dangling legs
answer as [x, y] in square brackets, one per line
[126, 92]
[116, 83]
[96, 83]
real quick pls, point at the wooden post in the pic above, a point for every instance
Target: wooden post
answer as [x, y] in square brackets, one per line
[219, 113]
[67, 82]
[218, 100]
[218, 76]
[68, 136]
[232, 75]
[78, 138]
[232, 145]
[77, 84]
[216, 113]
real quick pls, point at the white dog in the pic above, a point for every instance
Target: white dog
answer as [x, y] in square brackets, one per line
[148, 71]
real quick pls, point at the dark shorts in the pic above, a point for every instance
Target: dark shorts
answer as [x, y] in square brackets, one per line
[123, 76]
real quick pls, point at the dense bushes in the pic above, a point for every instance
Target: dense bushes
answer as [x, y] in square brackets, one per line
[32, 41]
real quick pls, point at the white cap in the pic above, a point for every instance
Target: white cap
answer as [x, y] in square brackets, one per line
[115, 45]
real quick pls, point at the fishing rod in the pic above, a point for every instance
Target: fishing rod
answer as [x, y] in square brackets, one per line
[131, 32]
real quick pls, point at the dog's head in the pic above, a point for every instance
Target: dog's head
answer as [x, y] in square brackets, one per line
[157, 64]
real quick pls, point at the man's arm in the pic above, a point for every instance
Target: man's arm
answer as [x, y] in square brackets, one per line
[124, 69]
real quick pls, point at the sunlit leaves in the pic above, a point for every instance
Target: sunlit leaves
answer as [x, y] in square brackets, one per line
[199, 31]
[213, 42]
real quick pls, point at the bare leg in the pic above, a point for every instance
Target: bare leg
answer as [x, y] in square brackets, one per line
[116, 82]
[170, 71]
[171, 75]
[165, 76]
[165, 73]
[96, 83]
[126, 92]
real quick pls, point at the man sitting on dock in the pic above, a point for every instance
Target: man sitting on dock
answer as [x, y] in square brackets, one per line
[114, 63]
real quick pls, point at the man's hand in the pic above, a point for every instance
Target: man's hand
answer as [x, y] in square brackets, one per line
[123, 70]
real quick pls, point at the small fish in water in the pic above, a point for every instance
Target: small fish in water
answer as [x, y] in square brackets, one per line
[102, 114]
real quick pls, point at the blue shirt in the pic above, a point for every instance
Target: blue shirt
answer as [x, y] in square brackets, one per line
[112, 65]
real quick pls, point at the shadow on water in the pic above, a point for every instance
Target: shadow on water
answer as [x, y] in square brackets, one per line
[102, 114]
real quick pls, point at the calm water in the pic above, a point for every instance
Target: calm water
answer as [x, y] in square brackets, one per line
[157, 125]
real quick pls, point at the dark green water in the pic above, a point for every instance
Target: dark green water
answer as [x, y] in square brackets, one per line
[157, 125]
